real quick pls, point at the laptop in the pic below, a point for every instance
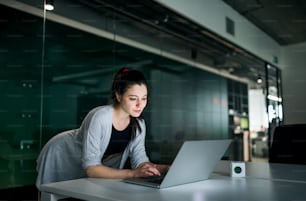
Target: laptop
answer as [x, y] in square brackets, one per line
[194, 162]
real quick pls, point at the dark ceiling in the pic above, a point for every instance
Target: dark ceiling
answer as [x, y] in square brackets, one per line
[283, 20]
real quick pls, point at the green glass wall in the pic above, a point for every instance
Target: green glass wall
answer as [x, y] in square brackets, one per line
[20, 59]
[49, 82]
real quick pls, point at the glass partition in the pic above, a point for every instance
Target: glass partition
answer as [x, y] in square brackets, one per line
[55, 69]
[20, 97]
[274, 98]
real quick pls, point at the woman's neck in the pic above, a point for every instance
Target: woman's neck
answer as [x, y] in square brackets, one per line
[120, 119]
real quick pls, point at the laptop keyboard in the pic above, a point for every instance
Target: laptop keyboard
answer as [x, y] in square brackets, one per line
[154, 179]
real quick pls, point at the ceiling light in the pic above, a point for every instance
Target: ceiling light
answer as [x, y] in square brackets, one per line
[166, 19]
[49, 5]
[274, 98]
[259, 80]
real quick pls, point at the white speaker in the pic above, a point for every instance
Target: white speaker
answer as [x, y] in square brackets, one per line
[237, 169]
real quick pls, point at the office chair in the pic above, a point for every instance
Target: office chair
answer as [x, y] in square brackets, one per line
[288, 144]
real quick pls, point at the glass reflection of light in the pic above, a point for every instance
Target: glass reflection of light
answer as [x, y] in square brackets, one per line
[272, 113]
[280, 109]
[274, 98]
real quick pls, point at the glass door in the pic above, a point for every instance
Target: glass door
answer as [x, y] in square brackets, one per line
[273, 99]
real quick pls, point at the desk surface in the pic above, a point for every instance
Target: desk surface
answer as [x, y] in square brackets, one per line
[219, 187]
[274, 171]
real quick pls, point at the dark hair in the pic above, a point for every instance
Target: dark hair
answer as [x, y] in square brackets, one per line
[123, 79]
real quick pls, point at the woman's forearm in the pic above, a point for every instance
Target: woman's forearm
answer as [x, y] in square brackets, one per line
[143, 170]
[100, 171]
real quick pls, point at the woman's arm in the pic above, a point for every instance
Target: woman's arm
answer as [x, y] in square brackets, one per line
[101, 171]
[143, 170]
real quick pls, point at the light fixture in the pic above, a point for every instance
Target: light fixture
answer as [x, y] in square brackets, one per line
[49, 5]
[259, 80]
[166, 19]
[274, 98]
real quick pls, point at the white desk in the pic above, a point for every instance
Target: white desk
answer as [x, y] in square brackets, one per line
[219, 187]
[273, 171]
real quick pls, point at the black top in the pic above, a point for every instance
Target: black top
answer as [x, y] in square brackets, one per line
[118, 142]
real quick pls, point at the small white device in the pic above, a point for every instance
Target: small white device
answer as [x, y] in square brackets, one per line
[238, 169]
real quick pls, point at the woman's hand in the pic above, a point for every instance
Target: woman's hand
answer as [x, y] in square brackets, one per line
[146, 169]
[162, 168]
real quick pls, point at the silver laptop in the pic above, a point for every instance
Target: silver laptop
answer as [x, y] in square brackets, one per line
[195, 161]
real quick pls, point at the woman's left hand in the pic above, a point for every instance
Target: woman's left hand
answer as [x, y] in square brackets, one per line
[162, 168]
[147, 169]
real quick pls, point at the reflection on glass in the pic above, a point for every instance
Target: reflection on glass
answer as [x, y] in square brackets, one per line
[20, 60]
[50, 80]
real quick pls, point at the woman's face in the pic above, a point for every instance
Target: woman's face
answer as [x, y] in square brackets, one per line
[134, 100]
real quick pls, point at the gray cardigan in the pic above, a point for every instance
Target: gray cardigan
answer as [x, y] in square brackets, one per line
[67, 155]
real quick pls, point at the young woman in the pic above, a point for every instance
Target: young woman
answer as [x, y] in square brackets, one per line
[107, 137]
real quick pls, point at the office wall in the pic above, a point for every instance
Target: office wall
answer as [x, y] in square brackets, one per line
[294, 81]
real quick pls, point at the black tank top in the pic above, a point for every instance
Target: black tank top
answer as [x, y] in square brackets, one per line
[118, 142]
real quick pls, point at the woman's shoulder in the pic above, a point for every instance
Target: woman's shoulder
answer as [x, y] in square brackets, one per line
[102, 110]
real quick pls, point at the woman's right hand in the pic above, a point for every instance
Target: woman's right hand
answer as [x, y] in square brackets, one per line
[146, 169]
